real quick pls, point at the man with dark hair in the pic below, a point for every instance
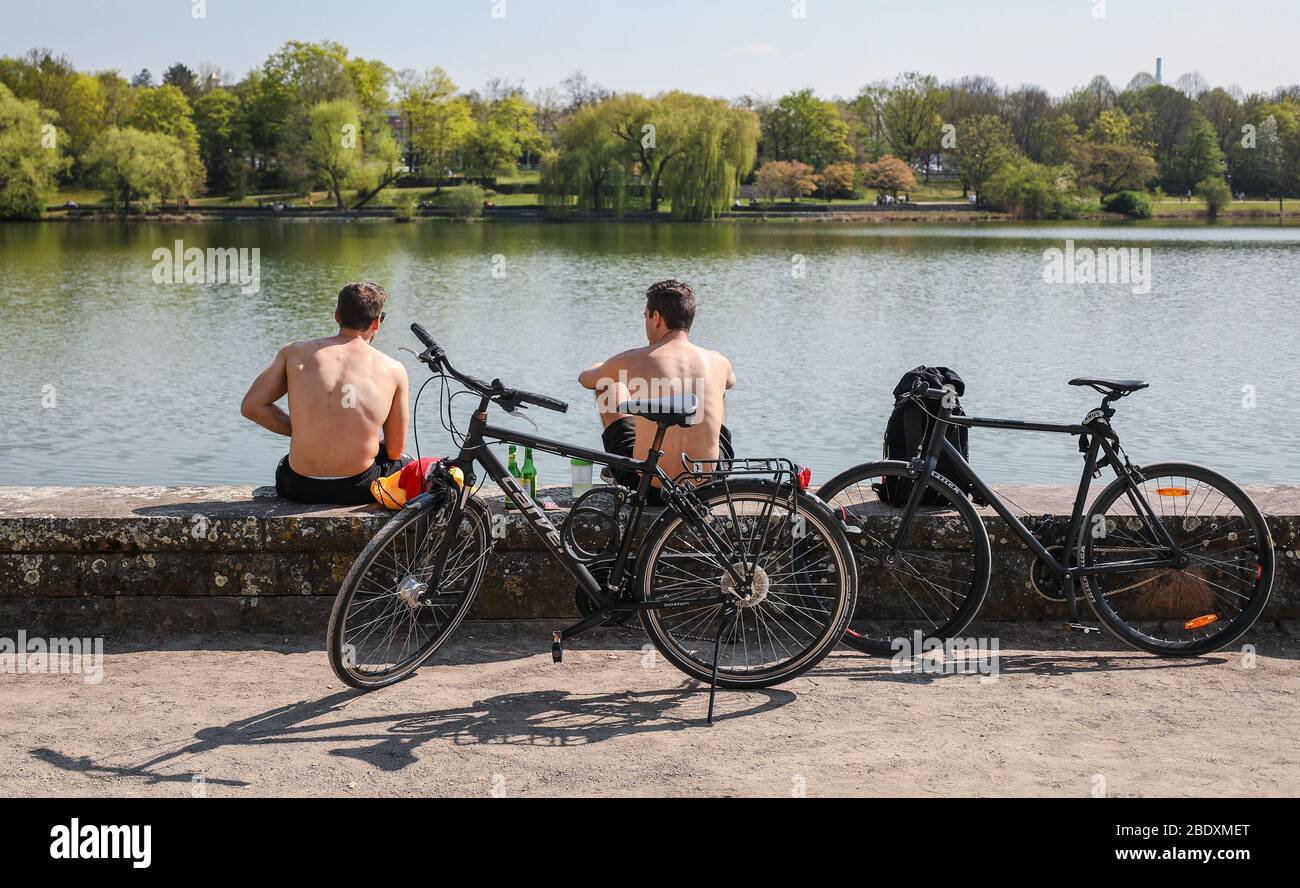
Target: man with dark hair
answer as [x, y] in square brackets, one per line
[347, 414]
[669, 367]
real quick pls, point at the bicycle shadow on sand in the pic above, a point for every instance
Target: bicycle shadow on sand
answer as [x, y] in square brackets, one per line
[867, 668]
[389, 741]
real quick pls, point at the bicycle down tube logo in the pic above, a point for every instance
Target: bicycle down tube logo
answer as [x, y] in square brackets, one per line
[533, 512]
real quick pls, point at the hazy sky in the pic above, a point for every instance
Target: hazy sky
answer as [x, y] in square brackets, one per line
[718, 47]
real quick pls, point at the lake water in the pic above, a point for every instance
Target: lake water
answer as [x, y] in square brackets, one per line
[110, 378]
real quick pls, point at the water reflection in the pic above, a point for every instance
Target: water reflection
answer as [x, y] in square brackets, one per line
[146, 379]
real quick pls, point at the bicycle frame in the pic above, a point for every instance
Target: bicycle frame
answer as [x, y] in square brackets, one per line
[1101, 439]
[474, 449]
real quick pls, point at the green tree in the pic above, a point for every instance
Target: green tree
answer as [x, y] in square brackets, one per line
[437, 120]
[1199, 156]
[334, 145]
[29, 158]
[911, 117]
[184, 79]
[489, 150]
[984, 145]
[1029, 190]
[805, 128]
[591, 165]
[223, 141]
[132, 165]
[1216, 195]
[720, 147]
[165, 109]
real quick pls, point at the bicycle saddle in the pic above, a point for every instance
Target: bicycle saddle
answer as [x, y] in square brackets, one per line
[1113, 387]
[677, 410]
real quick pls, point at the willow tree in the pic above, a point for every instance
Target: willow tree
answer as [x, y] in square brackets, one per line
[591, 164]
[719, 147]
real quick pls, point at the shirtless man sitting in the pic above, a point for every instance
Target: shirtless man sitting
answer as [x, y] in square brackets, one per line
[347, 414]
[669, 366]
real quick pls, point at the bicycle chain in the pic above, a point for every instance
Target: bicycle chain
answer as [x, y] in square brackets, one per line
[1084, 580]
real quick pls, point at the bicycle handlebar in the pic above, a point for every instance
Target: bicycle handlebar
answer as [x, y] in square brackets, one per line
[508, 398]
[920, 389]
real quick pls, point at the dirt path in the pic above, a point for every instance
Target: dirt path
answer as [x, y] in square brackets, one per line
[267, 717]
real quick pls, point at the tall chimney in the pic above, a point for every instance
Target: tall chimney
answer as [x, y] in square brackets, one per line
[1159, 65]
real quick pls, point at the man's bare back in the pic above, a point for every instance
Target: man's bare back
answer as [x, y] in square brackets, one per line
[345, 399]
[670, 365]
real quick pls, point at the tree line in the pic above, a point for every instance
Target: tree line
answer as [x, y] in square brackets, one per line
[313, 116]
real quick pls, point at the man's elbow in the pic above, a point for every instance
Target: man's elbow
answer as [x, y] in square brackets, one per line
[248, 408]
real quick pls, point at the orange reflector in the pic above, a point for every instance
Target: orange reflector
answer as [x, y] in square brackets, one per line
[1201, 621]
[1174, 491]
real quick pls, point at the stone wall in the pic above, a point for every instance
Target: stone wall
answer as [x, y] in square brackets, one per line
[99, 560]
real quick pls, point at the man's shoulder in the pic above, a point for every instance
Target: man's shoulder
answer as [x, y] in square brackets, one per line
[628, 357]
[712, 355]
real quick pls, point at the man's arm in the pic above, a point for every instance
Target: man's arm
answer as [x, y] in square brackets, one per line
[590, 377]
[731, 376]
[399, 415]
[271, 385]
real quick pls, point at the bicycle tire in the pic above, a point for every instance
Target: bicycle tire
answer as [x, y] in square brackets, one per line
[692, 653]
[851, 495]
[475, 518]
[1153, 603]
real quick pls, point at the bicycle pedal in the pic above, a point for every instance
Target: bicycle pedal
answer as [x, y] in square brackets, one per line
[557, 647]
[1082, 628]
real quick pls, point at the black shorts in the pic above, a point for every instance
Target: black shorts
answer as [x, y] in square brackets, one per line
[619, 438]
[354, 491]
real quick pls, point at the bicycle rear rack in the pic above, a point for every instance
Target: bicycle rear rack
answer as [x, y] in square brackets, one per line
[776, 467]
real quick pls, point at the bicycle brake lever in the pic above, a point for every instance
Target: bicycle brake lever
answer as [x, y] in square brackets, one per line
[517, 414]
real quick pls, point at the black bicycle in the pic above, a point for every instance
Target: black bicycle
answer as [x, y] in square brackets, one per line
[1173, 558]
[744, 581]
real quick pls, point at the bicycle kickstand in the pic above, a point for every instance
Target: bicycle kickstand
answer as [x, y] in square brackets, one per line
[728, 618]
[1072, 605]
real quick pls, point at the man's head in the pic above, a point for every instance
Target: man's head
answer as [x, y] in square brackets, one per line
[360, 308]
[669, 306]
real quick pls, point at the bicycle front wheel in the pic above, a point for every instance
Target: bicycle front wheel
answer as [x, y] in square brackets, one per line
[941, 575]
[389, 618]
[1188, 610]
[802, 589]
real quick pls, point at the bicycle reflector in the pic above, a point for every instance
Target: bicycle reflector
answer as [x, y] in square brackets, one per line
[805, 477]
[1173, 491]
[1201, 621]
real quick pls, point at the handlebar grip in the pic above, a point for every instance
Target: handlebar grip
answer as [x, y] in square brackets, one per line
[424, 337]
[544, 402]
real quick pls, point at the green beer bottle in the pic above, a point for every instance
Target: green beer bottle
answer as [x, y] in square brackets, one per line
[513, 468]
[530, 474]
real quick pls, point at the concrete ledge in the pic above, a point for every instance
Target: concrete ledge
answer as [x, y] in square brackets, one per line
[202, 559]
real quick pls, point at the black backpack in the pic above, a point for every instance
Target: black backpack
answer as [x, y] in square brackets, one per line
[908, 428]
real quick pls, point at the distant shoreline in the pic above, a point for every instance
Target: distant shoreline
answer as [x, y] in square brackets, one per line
[514, 215]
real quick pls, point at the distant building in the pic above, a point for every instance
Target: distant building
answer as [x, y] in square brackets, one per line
[1159, 69]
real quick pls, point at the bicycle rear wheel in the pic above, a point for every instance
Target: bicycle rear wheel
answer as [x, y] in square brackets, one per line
[1178, 611]
[387, 621]
[941, 576]
[804, 581]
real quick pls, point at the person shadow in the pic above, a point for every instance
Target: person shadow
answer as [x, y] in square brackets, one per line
[389, 741]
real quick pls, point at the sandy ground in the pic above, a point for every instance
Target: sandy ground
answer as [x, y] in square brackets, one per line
[1065, 716]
